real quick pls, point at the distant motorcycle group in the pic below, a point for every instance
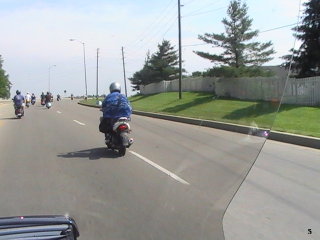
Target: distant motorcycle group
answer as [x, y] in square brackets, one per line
[21, 101]
[47, 99]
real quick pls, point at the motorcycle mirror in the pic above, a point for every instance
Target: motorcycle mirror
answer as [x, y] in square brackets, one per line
[34, 227]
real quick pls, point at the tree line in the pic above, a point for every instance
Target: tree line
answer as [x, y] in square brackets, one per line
[242, 56]
[4, 82]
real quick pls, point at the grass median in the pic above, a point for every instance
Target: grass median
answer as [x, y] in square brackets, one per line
[91, 101]
[290, 118]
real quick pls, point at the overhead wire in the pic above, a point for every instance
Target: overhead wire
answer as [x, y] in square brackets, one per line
[186, 3]
[152, 33]
[205, 6]
[151, 43]
[205, 12]
[158, 20]
[155, 38]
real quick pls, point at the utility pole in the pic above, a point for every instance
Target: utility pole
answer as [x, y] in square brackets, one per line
[84, 64]
[85, 69]
[124, 73]
[180, 57]
[97, 93]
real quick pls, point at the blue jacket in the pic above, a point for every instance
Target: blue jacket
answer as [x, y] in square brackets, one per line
[18, 100]
[115, 106]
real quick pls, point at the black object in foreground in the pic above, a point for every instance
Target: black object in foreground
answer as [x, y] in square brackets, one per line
[51, 227]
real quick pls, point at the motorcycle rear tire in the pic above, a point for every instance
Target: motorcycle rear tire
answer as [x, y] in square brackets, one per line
[122, 151]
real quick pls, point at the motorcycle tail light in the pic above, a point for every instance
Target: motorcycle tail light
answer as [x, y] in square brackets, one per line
[123, 127]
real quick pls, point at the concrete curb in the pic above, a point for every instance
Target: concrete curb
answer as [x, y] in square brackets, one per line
[305, 141]
[87, 105]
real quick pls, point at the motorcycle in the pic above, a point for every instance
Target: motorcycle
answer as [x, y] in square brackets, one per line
[33, 101]
[27, 104]
[58, 98]
[119, 139]
[19, 111]
[39, 227]
[43, 102]
[48, 105]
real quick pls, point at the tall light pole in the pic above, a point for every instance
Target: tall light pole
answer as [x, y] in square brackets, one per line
[49, 70]
[84, 63]
[180, 54]
[124, 73]
[97, 93]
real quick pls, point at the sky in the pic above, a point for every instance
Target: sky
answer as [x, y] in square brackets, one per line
[35, 36]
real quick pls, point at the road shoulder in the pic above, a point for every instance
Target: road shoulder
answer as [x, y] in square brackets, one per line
[280, 197]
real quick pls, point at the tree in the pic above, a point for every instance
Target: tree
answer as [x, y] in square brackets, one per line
[164, 62]
[142, 77]
[306, 60]
[5, 84]
[233, 72]
[161, 65]
[196, 74]
[239, 49]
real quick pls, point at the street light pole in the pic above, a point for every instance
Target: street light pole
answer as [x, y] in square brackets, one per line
[50, 76]
[84, 63]
[85, 69]
[97, 93]
[124, 73]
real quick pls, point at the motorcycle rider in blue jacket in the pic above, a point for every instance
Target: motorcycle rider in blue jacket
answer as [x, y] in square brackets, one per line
[18, 100]
[114, 106]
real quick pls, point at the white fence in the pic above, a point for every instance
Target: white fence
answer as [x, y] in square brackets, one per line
[198, 84]
[304, 91]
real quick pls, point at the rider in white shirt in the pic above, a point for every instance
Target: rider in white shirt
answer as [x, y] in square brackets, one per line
[28, 97]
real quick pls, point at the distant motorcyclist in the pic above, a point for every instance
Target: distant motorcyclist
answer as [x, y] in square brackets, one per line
[114, 106]
[28, 98]
[18, 100]
[58, 97]
[33, 99]
[43, 98]
[48, 97]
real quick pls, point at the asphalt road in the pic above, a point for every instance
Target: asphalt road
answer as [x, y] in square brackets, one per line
[175, 183]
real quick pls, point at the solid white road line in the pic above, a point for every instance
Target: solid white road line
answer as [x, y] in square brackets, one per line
[160, 168]
[59, 112]
[80, 123]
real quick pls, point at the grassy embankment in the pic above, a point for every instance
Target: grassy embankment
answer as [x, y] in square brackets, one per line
[290, 118]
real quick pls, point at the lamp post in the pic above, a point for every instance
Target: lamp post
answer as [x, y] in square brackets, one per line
[50, 75]
[84, 63]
